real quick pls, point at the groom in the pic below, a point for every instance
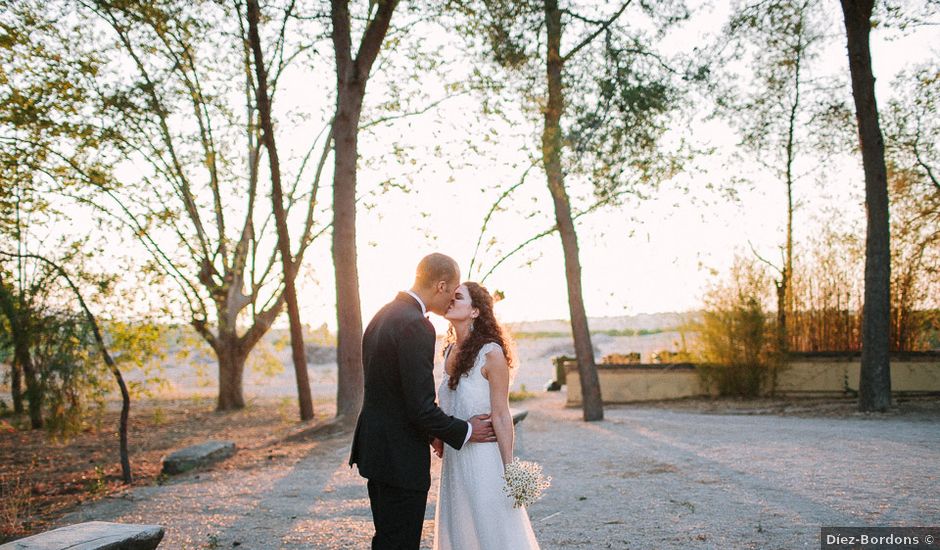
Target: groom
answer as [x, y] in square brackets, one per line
[399, 413]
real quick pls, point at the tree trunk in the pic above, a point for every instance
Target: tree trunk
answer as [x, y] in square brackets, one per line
[785, 290]
[593, 408]
[352, 74]
[298, 352]
[18, 334]
[349, 388]
[231, 368]
[16, 387]
[34, 392]
[875, 382]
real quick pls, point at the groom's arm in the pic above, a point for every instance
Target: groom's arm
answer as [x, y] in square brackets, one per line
[416, 371]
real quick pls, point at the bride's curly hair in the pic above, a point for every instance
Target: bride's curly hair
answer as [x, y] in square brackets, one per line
[486, 329]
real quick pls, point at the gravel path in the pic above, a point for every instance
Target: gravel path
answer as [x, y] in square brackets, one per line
[642, 478]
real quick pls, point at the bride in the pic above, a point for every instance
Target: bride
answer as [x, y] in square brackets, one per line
[473, 512]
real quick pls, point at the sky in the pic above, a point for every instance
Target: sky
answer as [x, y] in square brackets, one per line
[654, 255]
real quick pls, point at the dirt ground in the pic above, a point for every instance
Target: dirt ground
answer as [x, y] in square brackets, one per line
[42, 477]
[43, 481]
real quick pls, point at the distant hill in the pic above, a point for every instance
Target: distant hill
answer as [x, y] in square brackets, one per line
[642, 321]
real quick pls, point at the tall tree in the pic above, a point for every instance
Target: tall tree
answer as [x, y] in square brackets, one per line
[913, 158]
[289, 264]
[16, 304]
[875, 380]
[551, 161]
[352, 75]
[780, 38]
[39, 110]
[164, 100]
[618, 91]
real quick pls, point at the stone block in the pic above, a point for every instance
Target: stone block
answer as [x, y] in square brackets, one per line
[93, 535]
[196, 456]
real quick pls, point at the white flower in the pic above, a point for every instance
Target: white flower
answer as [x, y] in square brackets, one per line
[525, 482]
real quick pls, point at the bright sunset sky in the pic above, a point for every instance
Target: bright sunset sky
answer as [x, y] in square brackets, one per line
[649, 256]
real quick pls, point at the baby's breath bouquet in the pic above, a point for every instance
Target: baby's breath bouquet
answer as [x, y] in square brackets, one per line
[525, 482]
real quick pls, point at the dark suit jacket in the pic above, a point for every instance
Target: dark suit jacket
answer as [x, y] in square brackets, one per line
[399, 411]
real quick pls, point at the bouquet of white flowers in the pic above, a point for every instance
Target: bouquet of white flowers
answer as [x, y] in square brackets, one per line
[525, 482]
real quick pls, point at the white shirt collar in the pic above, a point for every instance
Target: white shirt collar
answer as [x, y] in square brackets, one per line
[424, 310]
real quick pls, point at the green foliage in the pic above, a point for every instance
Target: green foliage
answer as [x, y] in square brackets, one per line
[735, 338]
[264, 359]
[620, 92]
[770, 89]
[619, 116]
[502, 29]
[138, 346]
[97, 484]
[47, 137]
[71, 379]
[521, 395]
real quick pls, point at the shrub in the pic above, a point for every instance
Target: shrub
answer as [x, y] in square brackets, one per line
[735, 334]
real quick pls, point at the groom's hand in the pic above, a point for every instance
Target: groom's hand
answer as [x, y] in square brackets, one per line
[438, 447]
[482, 429]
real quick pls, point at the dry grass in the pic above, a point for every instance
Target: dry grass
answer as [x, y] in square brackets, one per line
[15, 504]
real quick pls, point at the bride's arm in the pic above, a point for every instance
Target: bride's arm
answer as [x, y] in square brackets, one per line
[496, 372]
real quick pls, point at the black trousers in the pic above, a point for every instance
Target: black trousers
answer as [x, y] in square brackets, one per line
[398, 515]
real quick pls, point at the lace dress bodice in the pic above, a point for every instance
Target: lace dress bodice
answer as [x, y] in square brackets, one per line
[472, 396]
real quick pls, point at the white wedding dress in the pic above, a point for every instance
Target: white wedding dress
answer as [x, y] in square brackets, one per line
[473, 512]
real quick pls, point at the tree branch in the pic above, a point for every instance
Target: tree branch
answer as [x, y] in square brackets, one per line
[372, 39]
[603, 202]
[596, 33]
[493, 208]
[382, 120]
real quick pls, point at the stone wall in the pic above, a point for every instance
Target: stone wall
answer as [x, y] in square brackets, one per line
[805, 374]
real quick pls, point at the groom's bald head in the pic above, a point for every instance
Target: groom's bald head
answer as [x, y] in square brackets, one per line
[435, 268]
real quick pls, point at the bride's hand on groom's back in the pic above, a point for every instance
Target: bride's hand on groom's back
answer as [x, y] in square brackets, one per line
[482, 429]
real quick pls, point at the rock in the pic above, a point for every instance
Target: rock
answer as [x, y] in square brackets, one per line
[93, 535]
[197, 455]
[320, 355]
[518, 415]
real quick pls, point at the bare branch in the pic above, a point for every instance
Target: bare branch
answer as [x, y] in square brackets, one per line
[151, 87]
[305, 237]
[580, 17]
[920, 161]
[761, 258]
[383, 120]
[603, 202]
[517, 249]
[596, 33]
[493, 208]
